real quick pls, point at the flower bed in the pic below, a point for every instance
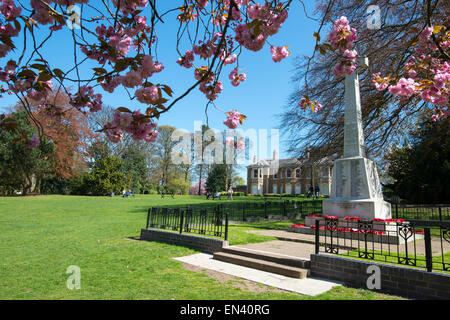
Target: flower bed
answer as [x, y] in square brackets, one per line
[353, 230]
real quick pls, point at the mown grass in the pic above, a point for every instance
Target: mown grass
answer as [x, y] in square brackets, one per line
[43, 235]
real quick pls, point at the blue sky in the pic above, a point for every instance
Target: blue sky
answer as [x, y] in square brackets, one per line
[261, 97]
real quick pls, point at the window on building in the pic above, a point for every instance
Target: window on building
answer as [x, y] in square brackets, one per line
[288, 173]
[255, 173]
[297, 173]
[275, 175]
[325, 172]
[298, 188]
[324, 189]
[308, 173]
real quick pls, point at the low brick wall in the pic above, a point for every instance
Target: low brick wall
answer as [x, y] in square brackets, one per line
[208, 245]
[395, 280]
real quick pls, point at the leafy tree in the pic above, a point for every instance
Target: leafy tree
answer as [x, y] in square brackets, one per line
[178, 185]
[106, 177]
[238, 181]
[135, 166]
[217, 178]
[421, 171]
[69, 134]
[99, 149]
[23, 158]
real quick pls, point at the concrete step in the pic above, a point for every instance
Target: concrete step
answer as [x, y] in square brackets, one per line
[268, 256]
[262, 265]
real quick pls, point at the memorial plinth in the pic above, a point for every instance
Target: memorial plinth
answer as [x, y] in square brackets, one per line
[355, 186]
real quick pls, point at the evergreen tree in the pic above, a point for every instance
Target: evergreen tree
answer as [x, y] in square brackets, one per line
[217, 178]
[421, 171]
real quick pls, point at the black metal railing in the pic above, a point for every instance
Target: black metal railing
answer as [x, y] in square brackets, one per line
[206, 221]
[440, 212]
[417, 243]
[245, 211]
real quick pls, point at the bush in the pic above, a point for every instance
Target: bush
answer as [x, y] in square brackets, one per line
[104, 179]
[77, 184]
[271, 195]
[149, 190]
[55, 186]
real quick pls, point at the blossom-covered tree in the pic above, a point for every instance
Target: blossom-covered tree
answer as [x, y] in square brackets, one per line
[408, 73]
[119, 38]
[194, 189]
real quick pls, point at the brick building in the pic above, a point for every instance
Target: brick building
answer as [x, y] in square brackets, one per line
[292, 176]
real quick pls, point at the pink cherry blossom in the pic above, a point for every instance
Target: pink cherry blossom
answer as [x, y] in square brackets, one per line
[211, 91]
[236, 78]
[148, 95]
[187, 60]
[132, 78]
[314, 104]
[279, 53]
[9, 10]
[342, 36]
[233, 119]
[404, 87]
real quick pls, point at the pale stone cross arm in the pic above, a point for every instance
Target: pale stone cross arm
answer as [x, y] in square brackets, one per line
[354, 145]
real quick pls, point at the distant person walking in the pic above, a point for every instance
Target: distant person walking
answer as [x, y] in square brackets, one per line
[230, 193]
[317, 190]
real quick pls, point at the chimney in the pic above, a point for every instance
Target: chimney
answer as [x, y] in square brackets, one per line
[255, 159]
[275, 154]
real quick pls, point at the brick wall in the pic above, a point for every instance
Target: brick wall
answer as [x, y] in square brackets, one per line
[395, 280]
[208, 245]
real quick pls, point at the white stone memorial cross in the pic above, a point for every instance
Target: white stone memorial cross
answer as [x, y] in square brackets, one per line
[355, 187]
[353, 133]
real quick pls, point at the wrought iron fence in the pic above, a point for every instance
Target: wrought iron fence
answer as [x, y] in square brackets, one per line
[208, 221]
[439, 212]
[416, 243]
[245, 211]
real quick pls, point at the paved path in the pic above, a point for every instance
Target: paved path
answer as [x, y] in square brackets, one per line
[285, 248]
[308, 286]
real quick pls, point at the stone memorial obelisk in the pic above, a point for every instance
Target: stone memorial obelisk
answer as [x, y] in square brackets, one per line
[355, 187]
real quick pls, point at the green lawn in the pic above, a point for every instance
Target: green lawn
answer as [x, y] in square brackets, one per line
[43, 235]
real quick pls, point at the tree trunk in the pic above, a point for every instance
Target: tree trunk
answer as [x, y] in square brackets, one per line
[230, 182]
[200, 180]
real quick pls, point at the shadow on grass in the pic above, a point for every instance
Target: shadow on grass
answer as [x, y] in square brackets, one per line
[133, 238]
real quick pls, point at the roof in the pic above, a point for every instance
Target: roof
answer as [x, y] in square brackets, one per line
[292, 162]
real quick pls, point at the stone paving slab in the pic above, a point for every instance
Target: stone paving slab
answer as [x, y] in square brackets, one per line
[308, 286]
[283, 248]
